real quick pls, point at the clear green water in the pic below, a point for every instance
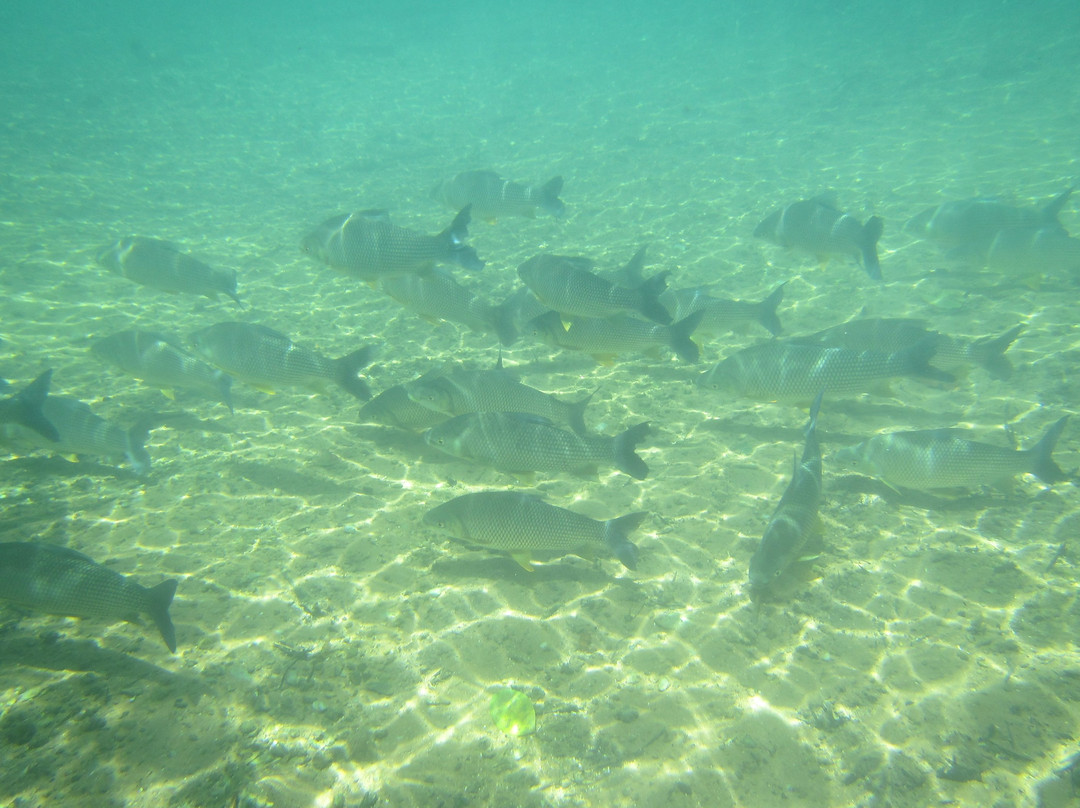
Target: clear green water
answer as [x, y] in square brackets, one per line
[332, 650]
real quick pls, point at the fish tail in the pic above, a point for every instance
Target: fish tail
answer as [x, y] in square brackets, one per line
[767, 310]
[27, 404]
[915, 361]
[871, 233]
[1042, 464]
[681, 331]
[626, 459]
[158, 600]
[1052, 210]
[235, 298]
[811, 425]
[224, 385]
[503, 321]
[347, 371]
[575, 415]
[136, 445]
[616, 536]
[989, 352]
[458, 251]
[650, 305]
[549, 197]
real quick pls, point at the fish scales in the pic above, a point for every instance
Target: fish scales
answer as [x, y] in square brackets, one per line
[393, 407]
[564, 285]
[58, 580]
[161, 265]
[492, 196]
[815, 226]
[620, 334]
[25, 408]
[438, 296]
[519, 442]
[722, 314]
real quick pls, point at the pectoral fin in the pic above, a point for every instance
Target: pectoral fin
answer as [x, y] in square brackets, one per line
[524, 561]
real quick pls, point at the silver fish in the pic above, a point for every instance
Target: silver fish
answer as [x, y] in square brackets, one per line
[789, 371]
[161, 265]
[815, 226]
[518, 442]
[491, 196]
[1034, 250]
[721, 315]
[81, 432]
[795, 520]
[268, 359]
[160, 360]
[521, 525]
[57, 580]
[436, 295]
[947, 458]
[565, 285]
[605, 338]
[367, 245]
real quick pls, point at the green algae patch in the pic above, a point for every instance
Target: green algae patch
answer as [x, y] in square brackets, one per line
[512, 711]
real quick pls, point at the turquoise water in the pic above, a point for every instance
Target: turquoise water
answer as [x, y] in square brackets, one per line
[333, 651]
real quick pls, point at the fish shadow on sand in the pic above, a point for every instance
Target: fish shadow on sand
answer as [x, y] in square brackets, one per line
[276, 477]
[48, 651]
[52, 467]
[399, 443]
[504, 568]
[962, 501]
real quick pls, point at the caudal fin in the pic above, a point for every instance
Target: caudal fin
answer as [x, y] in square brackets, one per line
[575, 414]
[458, 251]
[136, 444]
[626, 459]
[1052, 210]
[686, 349]
[989, 352]
[549, 197]
[347, 372]
[504, 322]
[767, 310]
[650, 305]
[1042, 464]
[616, 536]
[25, 407]
[631, 274]
[915, 361]
[871, 233]
[158, 600]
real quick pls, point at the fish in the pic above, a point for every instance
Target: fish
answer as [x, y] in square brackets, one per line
[268, 359]
[517, 442]
[393, 407]
[161, 265]
[522, 524]
[26, 408]
[437, 296]
[160, 360]
[81, 432]
[782, 370]
[607, 338]
[368, 246]
[491, 196]
[721, 315]
[795, 521]
[58, 580]
[817, 227]
[972, 225]
[463, 391]
[948, 458]
[1034, 250]
[522, 306]
[890, 334]
[565, 285]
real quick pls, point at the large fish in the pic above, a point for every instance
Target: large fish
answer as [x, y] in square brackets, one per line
[268, 359]
[437, 296]
[605, 338]
[795, 520]
[1034, 251]
[566, 285]
[160, 360]
[462, 391]
[971, 225]
[891, 334]
[947, 458]
[393, 407]
[789, 371]
[161, 265]
[518, 442]
[26, 408]
[57, 580]
[369, 246]
[81, 432]
[721, 315]
[491, 196]
[815, 226]
[522, 525]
